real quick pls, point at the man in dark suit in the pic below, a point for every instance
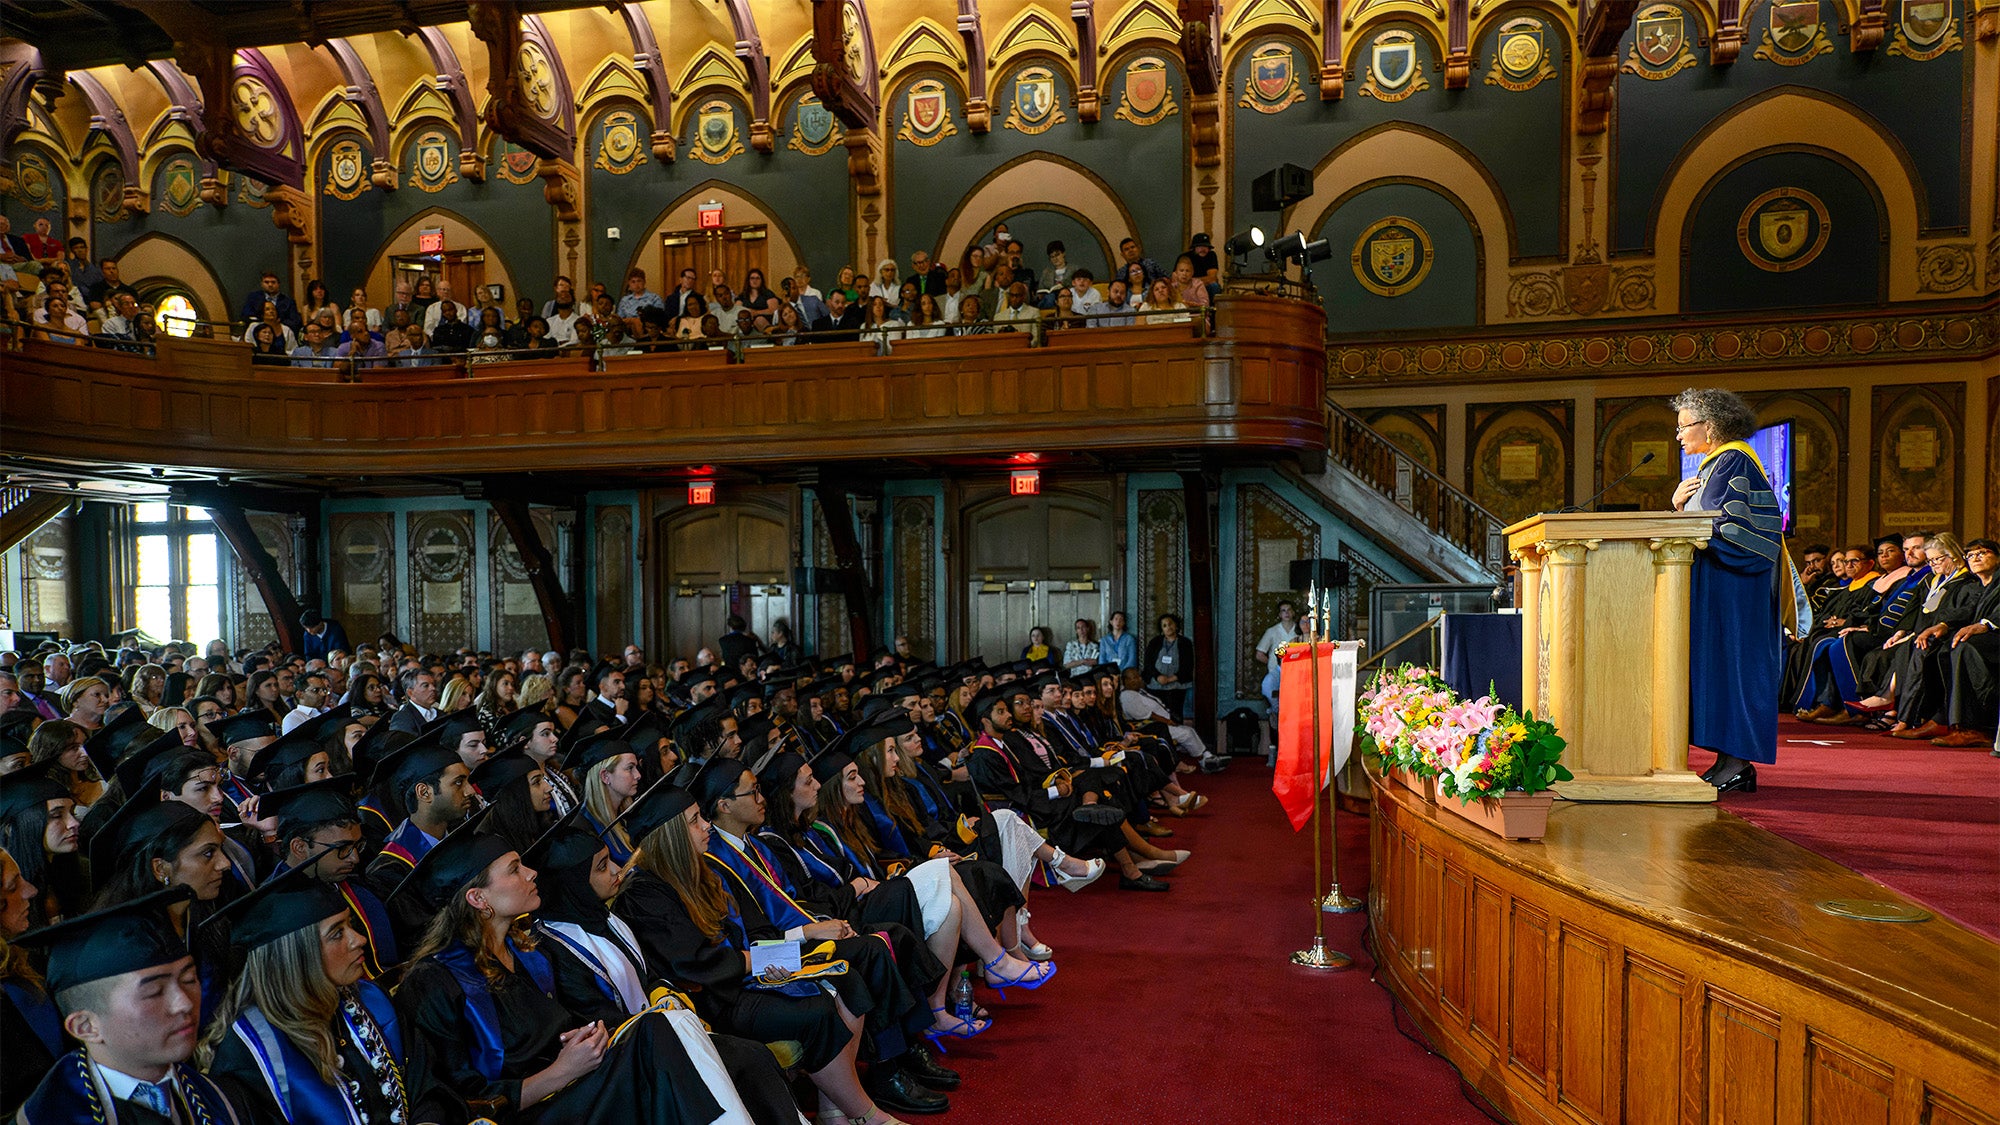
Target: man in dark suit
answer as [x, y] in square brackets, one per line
[322, 636]
[608, 705]
[419, 690]
[737, 643]
[928, 275]
[269, 292]
[842, 318]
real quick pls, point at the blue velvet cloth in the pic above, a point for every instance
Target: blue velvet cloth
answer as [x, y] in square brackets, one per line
[1736, 660]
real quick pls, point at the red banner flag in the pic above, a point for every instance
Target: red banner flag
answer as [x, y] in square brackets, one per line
[1293, 783]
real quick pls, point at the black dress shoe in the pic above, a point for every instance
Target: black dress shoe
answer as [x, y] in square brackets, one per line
[1142, 883]
[898, 1091]
[1718, 767]
[924, 1067]
[1744, 779]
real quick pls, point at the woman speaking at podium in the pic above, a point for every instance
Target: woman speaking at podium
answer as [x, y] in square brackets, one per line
[1733, 637]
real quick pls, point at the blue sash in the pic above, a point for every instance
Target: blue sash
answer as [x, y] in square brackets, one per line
[39, 1012]
[598, 972]
[886, 829]
[773, 897]
[488, 1056]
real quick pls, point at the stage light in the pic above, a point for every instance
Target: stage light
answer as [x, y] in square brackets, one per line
[1241, 244]
[1318, 250]
[1286, 248]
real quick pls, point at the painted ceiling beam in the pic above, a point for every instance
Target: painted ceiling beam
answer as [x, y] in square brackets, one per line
[646, 56]
[362, 94]
[757, 65]
[450, 78]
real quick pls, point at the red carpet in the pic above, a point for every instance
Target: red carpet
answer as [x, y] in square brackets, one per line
[1183, 1007]
[1916, 817]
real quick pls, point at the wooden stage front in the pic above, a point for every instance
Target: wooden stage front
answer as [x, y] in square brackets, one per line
[1669, 964]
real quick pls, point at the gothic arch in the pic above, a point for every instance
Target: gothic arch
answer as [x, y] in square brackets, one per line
[645, 247]
[154, 258]
[1026, 182]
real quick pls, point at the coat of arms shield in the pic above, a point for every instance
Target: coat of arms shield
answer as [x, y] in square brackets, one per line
[1394, 61]
[1659, 33]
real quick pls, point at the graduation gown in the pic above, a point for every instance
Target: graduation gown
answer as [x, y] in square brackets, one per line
[31, 1027]
[274, 1083]
[70, 1095]
[1734, 665]
[712, 970]
[471, 1041]
[1008, 782]
[1923, 676]
[410, 915]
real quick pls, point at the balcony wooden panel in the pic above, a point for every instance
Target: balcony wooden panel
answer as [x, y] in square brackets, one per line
[1256, 383]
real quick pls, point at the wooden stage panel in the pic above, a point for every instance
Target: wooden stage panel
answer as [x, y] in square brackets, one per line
[1666, 964]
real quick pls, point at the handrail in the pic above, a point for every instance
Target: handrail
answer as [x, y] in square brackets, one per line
[1415, 488]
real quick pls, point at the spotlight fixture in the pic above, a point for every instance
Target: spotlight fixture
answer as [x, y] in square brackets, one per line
[1286, 248]
[1241, 244]
[1318, 250]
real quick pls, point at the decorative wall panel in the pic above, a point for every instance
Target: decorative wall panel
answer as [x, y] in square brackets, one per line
[516, 613]
[250, 621]
[442, 564]
[1270, 535]
[1916, 449]
[915, 545]
[1517, 457]
[1819, 457]
[1627, 430]
[1351, 603]
[1162, 559]
[45, 579]
[830, 609]
[1416, 430]
[364, 573]
[615, 564]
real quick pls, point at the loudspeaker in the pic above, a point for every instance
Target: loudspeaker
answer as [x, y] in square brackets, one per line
[1323, 573]
[1285, 184]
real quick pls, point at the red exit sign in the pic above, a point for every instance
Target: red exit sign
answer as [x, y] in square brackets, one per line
[701, 492]
[430, 241]
[708, 216]
[1025, 482]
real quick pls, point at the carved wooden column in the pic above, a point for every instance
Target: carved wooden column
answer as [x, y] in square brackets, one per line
[1673, 584]
[1563, 618]
[1534, 667]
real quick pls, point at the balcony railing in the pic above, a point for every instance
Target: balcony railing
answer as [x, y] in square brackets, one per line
[1440, 505]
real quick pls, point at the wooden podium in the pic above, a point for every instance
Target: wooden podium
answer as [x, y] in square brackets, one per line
[1604, 646]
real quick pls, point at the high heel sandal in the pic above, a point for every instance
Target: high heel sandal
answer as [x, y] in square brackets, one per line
[966, 1029]
[1035, 952]
[1073, 883]
[1038, 974]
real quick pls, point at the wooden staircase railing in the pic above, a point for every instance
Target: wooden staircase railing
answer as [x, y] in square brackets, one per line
[1433, 500]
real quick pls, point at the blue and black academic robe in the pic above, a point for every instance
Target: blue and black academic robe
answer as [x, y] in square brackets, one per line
[32, 1028]
[621, 853]
[1735, 659]
[70, 1094]
[410, 914]
[1843, 667]
[274, 1082]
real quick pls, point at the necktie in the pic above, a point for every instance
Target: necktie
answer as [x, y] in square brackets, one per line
[153, 1095]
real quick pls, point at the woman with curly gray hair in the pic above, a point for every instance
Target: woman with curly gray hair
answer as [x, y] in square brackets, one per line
[1736, 655]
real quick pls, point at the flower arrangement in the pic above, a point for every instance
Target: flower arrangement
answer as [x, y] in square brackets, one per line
[1410, 719]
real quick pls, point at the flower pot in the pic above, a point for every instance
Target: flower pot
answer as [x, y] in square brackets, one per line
[1425, 787]
[1516, 816]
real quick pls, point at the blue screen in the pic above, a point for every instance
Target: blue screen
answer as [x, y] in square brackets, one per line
[1773, 445]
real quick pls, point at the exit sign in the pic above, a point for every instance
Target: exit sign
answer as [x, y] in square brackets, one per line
[701, 492]
[430, 241]
[708, 216]
[1026, 482]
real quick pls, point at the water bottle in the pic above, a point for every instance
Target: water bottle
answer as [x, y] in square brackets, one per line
[961, 995]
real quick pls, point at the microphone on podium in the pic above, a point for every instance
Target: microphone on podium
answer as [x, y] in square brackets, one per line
[1609, 487]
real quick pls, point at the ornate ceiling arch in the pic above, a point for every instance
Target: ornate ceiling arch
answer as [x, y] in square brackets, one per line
[646, 58]
[450, 81]
[361, 93]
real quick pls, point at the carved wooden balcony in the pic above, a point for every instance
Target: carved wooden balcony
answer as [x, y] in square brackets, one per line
[1253, 381]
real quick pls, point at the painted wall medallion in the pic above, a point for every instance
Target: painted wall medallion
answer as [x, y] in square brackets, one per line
[926, 113]
[1926, 29]
[1035, 108]
[1783, 229]
[35, 182]
[1395, 69]
[618, 147]
[346, 171]
[250, 190]
[107, 192]
[516, 164]
[715, 133]
[180, 185]
[1149, 93]
[431, 165]
[255, 111]
[538, 82]
[1794, 34]
[812, 127]
[1273, 84]
[1521, 56]
[1659, 43]
[1392, 256]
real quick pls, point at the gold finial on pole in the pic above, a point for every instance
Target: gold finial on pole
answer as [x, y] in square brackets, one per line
[1318, 956]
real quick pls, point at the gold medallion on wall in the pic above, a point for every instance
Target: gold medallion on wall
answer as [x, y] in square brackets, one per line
[1149, 93]
[515, 164]
[432, 167]
[1794, 35]
[537, 79]
[1926, 29]
[1659, 43]
[1274, 79]
[250, 191]
[926, 114]
[812, 127]
[1783, 229]
[1521, 58]
[34, 182]
[1035, 109]
[254, 111]
[1392, 257]
[715, 136]
[1395, 69]
[618, 147]
[346, 171]
[180, 190]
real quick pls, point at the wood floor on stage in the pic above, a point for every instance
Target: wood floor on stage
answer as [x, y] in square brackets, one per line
[1671, 963]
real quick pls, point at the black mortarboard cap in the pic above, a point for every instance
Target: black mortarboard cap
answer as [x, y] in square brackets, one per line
[779, 772]
[119, 734]
[286, 902]
[30, 786]
[501, 770]
[379, 742]
[242, 728]
[454, 861]
[330, 798]
[558, 848]
[142, 817]
[829, 764]
[289, 750]
[600, 670]
[520, 725]
[891, 725]
[646, 731]
[131, 770]
[412, 763]
[597, 748]
[587, 724]
[120, 939]
[717, 780]
[656, 806]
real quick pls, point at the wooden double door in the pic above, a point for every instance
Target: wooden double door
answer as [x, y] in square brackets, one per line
[733, 250]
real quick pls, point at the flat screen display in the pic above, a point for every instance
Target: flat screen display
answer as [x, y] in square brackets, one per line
[1773, 444]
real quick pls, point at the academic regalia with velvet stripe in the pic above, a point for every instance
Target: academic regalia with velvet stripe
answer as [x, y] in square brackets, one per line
[70, 1094]
[1010, 783]
[274, 1082]
[1735, 661]
[409, 915]
[471, 1041]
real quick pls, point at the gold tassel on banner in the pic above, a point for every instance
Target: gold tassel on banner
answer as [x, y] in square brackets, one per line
[1319, 956]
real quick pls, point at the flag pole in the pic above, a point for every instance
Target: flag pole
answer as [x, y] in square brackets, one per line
[1334, 902]
[1318, 956]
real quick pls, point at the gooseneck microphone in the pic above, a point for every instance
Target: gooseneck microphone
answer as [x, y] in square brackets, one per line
[1609, 487]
